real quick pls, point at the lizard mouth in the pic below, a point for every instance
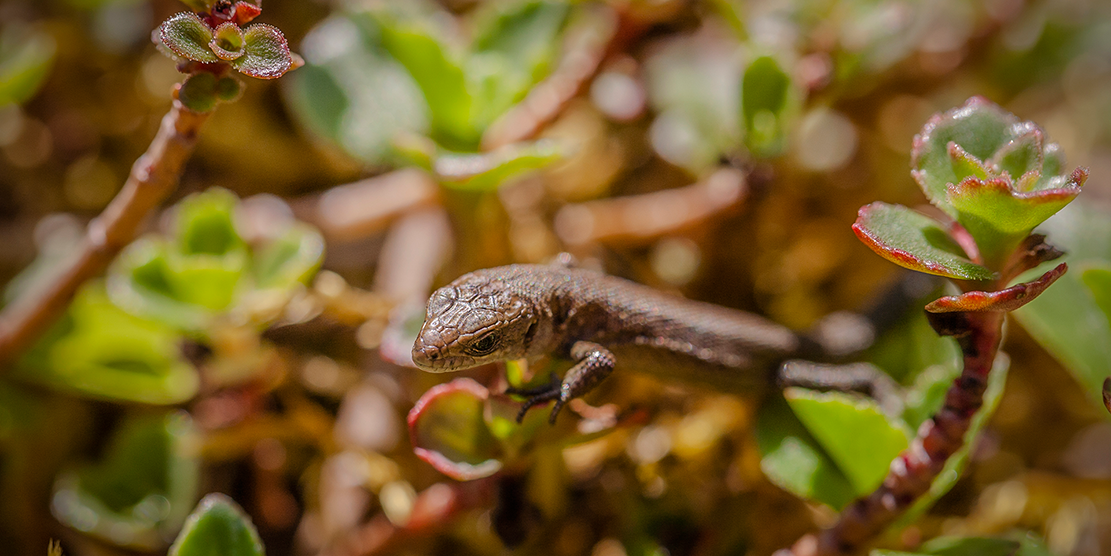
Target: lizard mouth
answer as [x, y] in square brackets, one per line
[432, 359]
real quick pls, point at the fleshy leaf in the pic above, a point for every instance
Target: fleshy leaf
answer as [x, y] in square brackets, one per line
[853, 431]
[440, 78]
[140, 283]
[357, 96]
[765, 90]
[198, 92]
[1022, 155]
[448, 429]
[513, 48]
[188, 36]
[792, 459]
[487, 171]
[143, 488]
[228, 89]
[245, 12]
[227, 42]
[999, 218]
[1006, 300]
[966, 165]
[979, 127]
[218, 526]
[266, 53]
[289, 259]
[99, 350]
[914, 241]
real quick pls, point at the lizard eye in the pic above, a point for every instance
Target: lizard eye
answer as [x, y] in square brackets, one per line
[484, 345]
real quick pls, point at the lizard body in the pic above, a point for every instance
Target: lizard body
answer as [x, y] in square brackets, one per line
[598, 321]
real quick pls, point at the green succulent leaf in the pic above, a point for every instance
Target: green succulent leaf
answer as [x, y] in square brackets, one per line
[99, 350]
[449, 430]
[979, 127]
[143, 488]
[198, 92]
[188, 36]
[290, 259]
[858, 437]
[265, 53]
[513, 49]
[792, 459]
[915, 241]
[229, 89]
[357, 97]
[1000, 218]
[765, 97]
[227, 42]
[1023, 155]
[218, 526]
[487, 171]
[441, 79]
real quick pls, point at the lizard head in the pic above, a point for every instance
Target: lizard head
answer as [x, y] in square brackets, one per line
[472, 321]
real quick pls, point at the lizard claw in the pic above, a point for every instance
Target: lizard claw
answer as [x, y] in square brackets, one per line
[551, 393]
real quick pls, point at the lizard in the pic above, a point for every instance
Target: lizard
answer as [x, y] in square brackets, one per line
[600, 321]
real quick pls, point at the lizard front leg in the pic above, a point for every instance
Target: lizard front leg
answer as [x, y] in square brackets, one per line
[593, 364]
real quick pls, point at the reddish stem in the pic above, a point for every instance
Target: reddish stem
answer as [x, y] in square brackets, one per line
[153, 177]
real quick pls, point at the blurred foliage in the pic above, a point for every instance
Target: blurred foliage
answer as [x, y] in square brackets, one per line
[214, 357]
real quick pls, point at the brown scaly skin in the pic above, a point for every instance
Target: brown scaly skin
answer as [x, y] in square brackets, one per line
[601, 322]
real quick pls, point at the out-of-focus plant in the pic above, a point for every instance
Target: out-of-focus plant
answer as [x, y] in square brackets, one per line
[26, 56]
[138, 495]
[206, 274]
[366, 68]
[204, 282]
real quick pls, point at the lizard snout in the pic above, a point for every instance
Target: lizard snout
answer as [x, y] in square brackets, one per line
[426, 354]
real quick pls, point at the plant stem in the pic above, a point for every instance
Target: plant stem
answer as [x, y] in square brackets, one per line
[154, 175]
[914, 470]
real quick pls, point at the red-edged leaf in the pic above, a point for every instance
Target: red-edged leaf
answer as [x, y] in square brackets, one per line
[915, 241]
[245, 12]
[1004, 300]
[1000, 217]
[448, 429]
[979, 127]
[188, 36]
[1023, 155]
[227, 42]
[266, 52]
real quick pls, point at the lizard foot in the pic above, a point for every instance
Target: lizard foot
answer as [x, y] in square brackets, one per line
[538, 395]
